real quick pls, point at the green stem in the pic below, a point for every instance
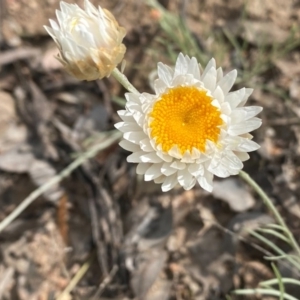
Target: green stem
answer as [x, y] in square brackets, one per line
[124, 81]
[263, 292]
[284, 280]
[268, 202]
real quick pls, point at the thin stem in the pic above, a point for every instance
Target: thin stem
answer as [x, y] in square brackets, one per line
[263, 292]
[268, 202]
[64, 173]
[284, 280]
[124, 81]
[279, 278]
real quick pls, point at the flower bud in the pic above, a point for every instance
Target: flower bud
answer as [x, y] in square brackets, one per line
[89, 40]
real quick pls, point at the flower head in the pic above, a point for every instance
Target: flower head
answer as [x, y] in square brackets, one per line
[192, 128]
[89, 40]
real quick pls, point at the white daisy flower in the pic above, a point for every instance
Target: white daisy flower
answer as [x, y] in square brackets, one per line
[89, 40]
[192, 128]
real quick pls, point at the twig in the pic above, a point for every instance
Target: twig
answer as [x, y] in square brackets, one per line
[78, 276]
[106, 281]
[112, 137]
[10, 56]
[98, 239]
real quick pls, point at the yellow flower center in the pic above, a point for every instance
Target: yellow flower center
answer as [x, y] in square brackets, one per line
[185, 117]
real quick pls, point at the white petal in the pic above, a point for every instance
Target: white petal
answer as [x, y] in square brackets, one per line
[167, 170]
[244, 127]
[226, 109]
[126, 126]
[210, 79]
[133, 107]
[146, 145]
[186, 79]
[245, 113]
[235, 98]
[224, 166]
[219, 74]
[174, 152]
[147, 98]
[238, 143]
[164, 157]
[129, 146]
[139, 119]
[165, 73]
[211, 63]
[227, 81]
[160, 179]
[89, 7]
[193, 68]
[150, 157]
[159, 86]
[169, 183]
[178, 165]
[248, 146]
[216, 103]
[134, 137]
[185, 178]
[180, 66]
[218, 94]
[248, 92]
[153, 172]
[187, 158]
[125, 115]
[196, 170]
[135, 157]
[206, 181]
[60, 16]
[142, 168]
[133, 98]
[196, 154]
[203, 158]
[50, 30]
[189, 185]
[243, 156]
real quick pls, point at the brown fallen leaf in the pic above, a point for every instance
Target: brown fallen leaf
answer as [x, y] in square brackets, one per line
[7, 108]
[17, 160]
[235, 193]
[11, 132]
[209, 264]
[42, 172]
[11, 56]
[21, 159]
[145, 279]
[251, 274]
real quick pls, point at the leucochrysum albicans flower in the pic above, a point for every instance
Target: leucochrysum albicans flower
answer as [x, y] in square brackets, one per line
[89, 40]
[192, 128]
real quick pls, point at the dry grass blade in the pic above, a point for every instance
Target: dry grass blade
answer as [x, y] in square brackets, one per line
[111, 138]
[79, 275]
[10, 56]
